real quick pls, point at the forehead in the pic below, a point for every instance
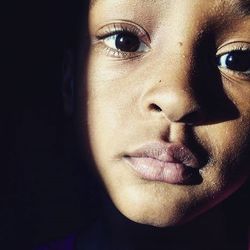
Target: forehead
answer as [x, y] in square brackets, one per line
[239, 7]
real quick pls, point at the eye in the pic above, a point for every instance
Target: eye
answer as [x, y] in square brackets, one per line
[237, 60]
[126, 42]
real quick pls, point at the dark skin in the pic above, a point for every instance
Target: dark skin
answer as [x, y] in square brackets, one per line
[194, 94]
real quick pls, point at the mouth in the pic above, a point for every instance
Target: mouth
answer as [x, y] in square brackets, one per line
[165, 162]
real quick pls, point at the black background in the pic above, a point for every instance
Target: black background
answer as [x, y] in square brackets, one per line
[42, 188]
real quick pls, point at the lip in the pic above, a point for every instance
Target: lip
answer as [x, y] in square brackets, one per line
[171, 163]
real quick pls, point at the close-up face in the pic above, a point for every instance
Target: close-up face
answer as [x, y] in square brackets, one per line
[168, 104]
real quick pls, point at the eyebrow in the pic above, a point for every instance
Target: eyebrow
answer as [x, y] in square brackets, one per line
[241, 7]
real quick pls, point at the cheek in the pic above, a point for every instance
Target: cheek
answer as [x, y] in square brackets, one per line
[109, 110]
[229, 145]
[112, 98]
[233, 137]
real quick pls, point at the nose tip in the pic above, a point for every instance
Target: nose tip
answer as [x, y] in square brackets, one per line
[176, 105]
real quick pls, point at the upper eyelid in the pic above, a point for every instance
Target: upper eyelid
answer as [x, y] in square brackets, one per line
[112, 33]
[230, 51]
[233, 46]
[115, 26]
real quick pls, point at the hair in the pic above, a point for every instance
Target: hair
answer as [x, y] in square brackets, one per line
[74, 16]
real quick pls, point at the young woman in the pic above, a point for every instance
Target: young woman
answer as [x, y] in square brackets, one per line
[163, 98]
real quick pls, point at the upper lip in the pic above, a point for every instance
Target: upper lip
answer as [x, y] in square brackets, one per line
[167, 152]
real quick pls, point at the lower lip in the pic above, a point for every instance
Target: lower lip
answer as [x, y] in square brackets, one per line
[154, 170]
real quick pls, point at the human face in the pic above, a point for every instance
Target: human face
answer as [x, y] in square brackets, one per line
[168, 90]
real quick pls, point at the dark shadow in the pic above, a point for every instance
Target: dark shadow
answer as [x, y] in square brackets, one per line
[208, 86]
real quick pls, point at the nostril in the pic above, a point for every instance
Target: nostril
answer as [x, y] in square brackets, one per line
[154, 107]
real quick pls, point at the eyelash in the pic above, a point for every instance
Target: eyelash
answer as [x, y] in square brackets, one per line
[122, 28]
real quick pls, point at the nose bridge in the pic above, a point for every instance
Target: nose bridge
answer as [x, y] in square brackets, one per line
[179, 56]
[179, 46]
[178, 73]
[176, 61]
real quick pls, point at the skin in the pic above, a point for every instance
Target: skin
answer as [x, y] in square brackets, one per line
[173, 92]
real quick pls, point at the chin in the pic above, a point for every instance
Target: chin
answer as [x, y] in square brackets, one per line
[149, 206]
[154, 212]
[157, 218]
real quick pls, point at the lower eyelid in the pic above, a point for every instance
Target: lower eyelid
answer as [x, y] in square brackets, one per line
[235, 75]
[102, 49]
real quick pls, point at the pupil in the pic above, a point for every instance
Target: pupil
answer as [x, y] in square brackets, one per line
[238, 60]
[127, 42]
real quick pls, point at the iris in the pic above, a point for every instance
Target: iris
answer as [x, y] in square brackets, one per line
[128, 42]
[238, 60]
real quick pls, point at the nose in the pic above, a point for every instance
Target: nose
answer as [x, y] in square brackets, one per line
[174, 98]
[176, 106]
